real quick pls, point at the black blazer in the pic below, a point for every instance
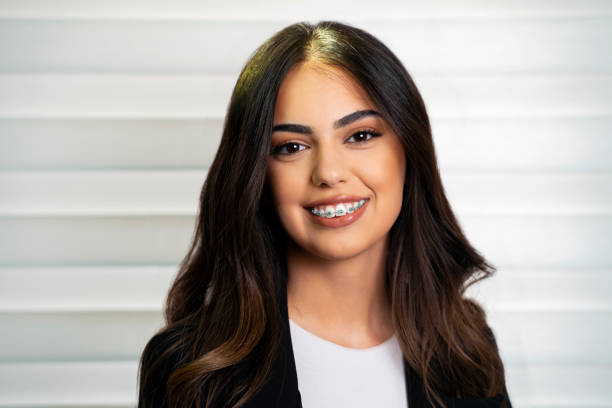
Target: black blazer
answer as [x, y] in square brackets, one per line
[281, 390]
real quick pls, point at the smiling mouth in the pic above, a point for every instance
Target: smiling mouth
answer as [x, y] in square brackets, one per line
[331, 220]
[337, 210]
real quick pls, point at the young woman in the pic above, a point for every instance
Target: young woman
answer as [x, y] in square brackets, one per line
[327, 267]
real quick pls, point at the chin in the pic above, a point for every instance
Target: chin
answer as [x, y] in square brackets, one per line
[335, 253]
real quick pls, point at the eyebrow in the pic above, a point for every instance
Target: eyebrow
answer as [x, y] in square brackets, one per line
[343, 121]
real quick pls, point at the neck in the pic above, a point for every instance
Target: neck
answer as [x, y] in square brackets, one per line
[343, 301]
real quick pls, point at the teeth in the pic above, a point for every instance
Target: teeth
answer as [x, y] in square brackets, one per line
[339, 210]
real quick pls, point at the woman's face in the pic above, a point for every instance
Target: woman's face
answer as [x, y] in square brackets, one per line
[327, 152]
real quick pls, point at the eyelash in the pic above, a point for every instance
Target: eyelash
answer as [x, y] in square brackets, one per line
[374, 134]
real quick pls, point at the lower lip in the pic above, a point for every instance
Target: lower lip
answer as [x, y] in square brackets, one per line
[337, 222]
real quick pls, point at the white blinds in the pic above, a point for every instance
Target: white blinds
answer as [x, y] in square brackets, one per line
[111, 112]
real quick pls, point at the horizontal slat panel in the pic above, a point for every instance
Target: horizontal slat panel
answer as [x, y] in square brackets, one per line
[103, 384]
[534, 337]
[524, 144]
[559, 385]
[275, 9]
[549, 193]
[69, 405]
[119, 96]
[535, 241]
[510, 45]
[564, 337]
[144, 288]
[85, 288]
[206, 96]
[108, 144]
[87, 383]
[177, 192]
[126, 240]
[101, 193]
[178, 47]
[545, 289]
[49, 336]
[540, 241]
[497, 143]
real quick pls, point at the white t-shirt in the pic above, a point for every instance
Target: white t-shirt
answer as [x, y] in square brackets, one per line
[331, 375]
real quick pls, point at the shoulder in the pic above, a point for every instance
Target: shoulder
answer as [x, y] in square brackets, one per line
[160, 357]
[501, 400]
[165, 346]
[498, 401]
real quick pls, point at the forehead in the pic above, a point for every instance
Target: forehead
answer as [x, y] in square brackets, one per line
[318, 91]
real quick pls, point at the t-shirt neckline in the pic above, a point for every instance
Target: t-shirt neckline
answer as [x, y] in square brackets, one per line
[321, 340]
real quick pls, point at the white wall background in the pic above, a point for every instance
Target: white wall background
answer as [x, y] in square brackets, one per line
[111, 111]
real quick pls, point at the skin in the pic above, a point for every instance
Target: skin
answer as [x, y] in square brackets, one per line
[335, 286]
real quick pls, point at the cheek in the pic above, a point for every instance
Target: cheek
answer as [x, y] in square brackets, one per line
[284, 185]
[385, 170]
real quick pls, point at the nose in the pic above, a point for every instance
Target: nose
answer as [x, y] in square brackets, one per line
[329, 166]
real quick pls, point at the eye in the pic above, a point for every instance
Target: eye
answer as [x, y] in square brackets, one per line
[362, 135]
[287, 148]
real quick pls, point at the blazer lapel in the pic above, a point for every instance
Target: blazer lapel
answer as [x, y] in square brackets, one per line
[289, 391]
[281, 390]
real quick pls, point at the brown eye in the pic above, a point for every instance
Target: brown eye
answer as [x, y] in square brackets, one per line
[287, 148]
[361, 136]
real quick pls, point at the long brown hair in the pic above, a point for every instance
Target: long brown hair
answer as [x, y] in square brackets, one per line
[222, 318]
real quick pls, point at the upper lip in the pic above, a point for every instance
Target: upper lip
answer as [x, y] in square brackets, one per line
[342, 198]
